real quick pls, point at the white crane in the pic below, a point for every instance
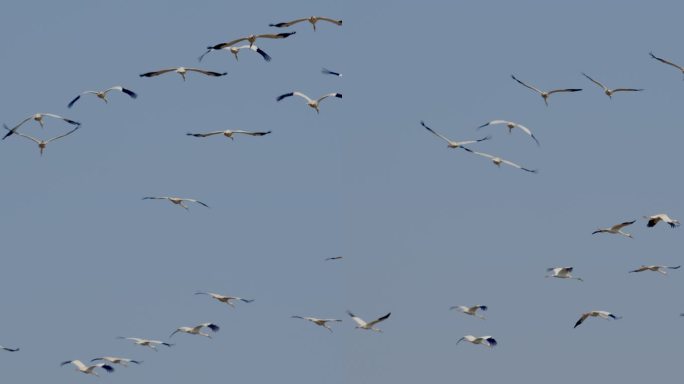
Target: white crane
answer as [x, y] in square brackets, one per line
[146, 342]
[225, 299]
[312, 19]
[39, 118]
[176, 200]
[197, 329]
[253, 38]
[483, 340]
[653, 220]
[510, 125]
[88, 369]
[228, 133]
[310, 102]
[370, 325]
[609, 92]
[545, 95]
[103, 94]
[654, 268]
[562, 273]
[498, 161]
[616, 229]
[326, 71]
[472, 311]
[183, 71]
[320, 322]
[601, 314]
[236, 50]
[117, 360]
[681, 69]
[453, 144]
[9, 349]
[42, 144]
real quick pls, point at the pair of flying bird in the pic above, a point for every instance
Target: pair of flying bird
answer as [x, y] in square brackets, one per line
[38, 117]
[652, 221]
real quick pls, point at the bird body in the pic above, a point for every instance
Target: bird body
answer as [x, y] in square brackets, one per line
[472, 311]
[498, 161]
[562, 273]
[117, 360]
[235, 50]
[313, 103]
[361, 324]
[488, 341]
[546, 94]
[320, 322]
[616, 229]
[601, 314]
[225, 299]
[197, 329]
[312, 19]
[654, 268]
[229, 133]
[253, 38]
[451, 143]
[152, 344]
[511, 125]
[176, 200]
[103, 94]
[655, 219]
[182, 71]
[609, 92]
[88, 369]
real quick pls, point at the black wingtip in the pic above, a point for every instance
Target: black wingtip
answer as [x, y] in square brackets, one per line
[338, 95]
[284, 96]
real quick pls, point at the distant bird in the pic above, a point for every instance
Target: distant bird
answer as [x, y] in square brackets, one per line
[9, 349]
[103, 94]
[510, 125]
[497, 160]
[334, 258]
[313, 20]
[39, 118]
[183, 71]
[483, 340]
[653, 220]
[197, 329]
[176, 200]
[253, 38]
[601, 314]
[117, 360]
[562, 273]
[146, 342]
[88, 369]
[228, 133]
[326, 71]
[616, 229]
[654, 268]
[310, 102]
[472, 311]
[370, 325]
[453, 144]
[320, 322]
[42, 144]
[236, 50]
[681, 69]
[225, 299]
[543, 94]
[609, 92]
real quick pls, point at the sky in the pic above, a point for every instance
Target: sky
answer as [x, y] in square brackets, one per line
[421, 227]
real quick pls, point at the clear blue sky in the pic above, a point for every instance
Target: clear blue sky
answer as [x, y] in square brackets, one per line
[421, 227]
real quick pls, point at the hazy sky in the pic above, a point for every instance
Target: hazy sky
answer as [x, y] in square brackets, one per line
[421, 227]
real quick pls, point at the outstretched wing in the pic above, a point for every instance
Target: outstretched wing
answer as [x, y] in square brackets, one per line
[595, 82]
[666, 62]
[526, 85]
[288, 23]
[383, 318]
[157, 73]
[205, 72]
[204, 134]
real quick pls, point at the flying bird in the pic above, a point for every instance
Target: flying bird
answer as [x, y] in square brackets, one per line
[370, 325]
[601, 314]
[183, 71]
[146, 342]
[229, 134]
[654, 268]
[39, 118]
[176, 200]
[333, 258]
[320, 322]
[310, 102]
[253, 38]
[117, 360]
[197, 330]
[88, 369]
[681, 69]
[543, 94]
[653, 220]
[616, 229]
[9, 349]
[103, 94]
[510, 125]
[236, 50]
[313, 20]
[326, 71]
[472, 311]
[42, 144]
[483, 340]
[562, 273]
[609, 92]
[498, 161]
[453, 144]
[225, 299]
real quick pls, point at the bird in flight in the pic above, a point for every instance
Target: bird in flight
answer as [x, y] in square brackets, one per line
[472, 311]
[320, 322]
[450, 143]
[601, 314]
[681, 69]
[609, 92]
[236, 50]
[313, 20]
[370, 325]
[562, 273]
[183, 71]
[225, 299]
[483, 340]
[9, 349]
[655, 219]
[545, 95]
[146, 342]
[333, 258]
[197, 330]
[228, 133]
[42, 144]
[310, 102]
[326, 71]
[498, 161]
[616, 229]
[39, 118]
[117, 360]
[253, 38]
[510, 125]
[103, 94]
[176, 200]
[88, 369]
[654, 268]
